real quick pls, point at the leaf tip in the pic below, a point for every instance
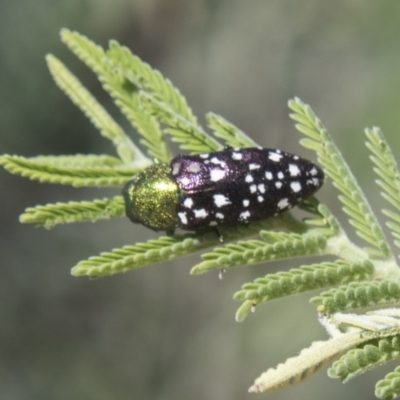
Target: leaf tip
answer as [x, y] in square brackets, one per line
[243, 311]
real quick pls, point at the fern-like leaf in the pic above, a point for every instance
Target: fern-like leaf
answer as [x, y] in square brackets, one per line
[387, 170]
[149, 80]
[358, 295]
[275, 246]
[229, 133]
[50, 215]
[324, 222]
[49, 171]
[162, 100]
[358, 361]
[100, 118]
[355, 203]
[79, 161]
[125, 95]
[388, 388]
[302, 279]
[142, 254]
[189, 135]
[306, 364]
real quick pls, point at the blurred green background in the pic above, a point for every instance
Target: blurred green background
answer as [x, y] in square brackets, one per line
[159, 333]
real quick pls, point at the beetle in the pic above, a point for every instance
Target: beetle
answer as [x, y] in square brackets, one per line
[227, 187]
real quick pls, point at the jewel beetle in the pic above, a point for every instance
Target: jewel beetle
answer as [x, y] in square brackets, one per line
[227, 187]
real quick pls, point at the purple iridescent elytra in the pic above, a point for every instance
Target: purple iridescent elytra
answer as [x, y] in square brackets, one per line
[240, 185]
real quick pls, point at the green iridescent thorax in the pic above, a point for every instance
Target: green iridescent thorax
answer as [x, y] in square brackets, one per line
[151, 198]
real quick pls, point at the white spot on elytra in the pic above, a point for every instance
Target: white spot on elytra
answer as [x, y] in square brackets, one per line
[269, 175]
[244, 215]
[254, 166]
[283, 203]
[249, 178]
[260, 199]
[182, 217]
[294, 170]
[261, 188]
[219, 215]
[175, 168]
[253, 188]
[200, 213]
[246, 202]
[315, 181]
[217, 161]
[275, 156]
[237, 156]
[193, 168]
[188, 203]
[295, 157]
[217, 174]
[314, 171]
[221, 200]
[278, 184]
[185, 181]
[205, 155]
[295, 186]
[280, 175]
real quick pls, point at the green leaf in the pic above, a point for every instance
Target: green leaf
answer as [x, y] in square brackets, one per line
[149, 80]
[275, 246]
[125, 95]
[303, 279]
[243, 311]
[389, 387]
[162, 100]
[143, 254]
[49, 171]
[357, 207]
[79, 161]
[189, 135]
[229, 133]
[50, 215]
[387, 169]
[324, 222]
[358, 295]
[100, 118]
[372, 355]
